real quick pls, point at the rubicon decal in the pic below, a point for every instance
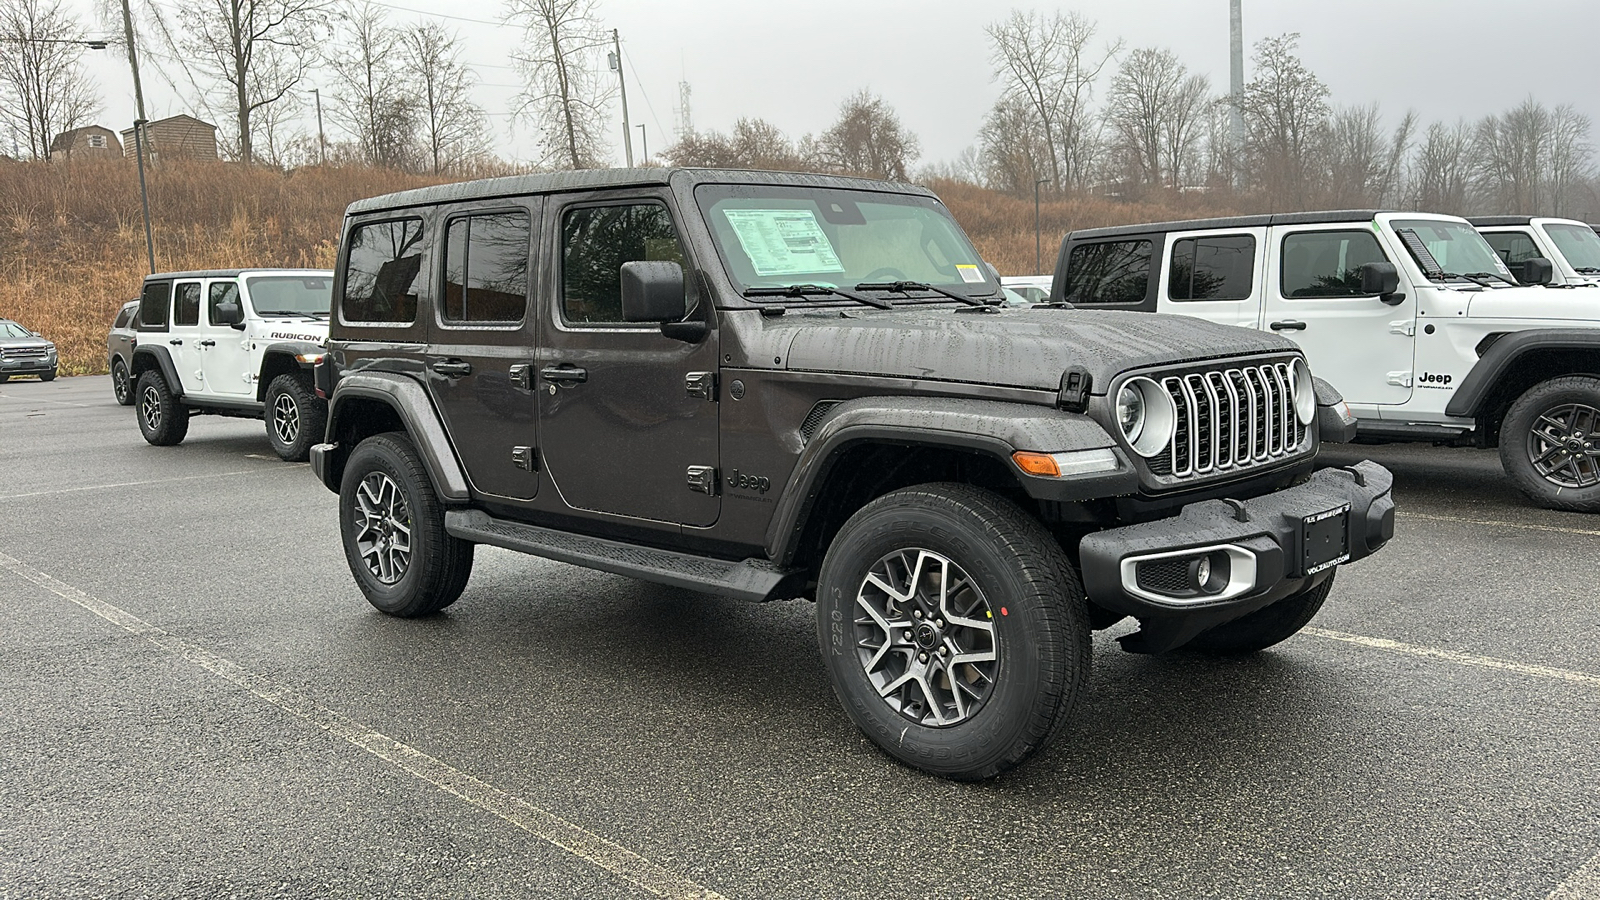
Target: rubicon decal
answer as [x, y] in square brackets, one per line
[291, 336]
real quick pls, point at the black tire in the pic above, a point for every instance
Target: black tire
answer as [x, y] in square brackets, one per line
[163, 420]
[295, 417]
[1550, 443]
[121, 383]
[434, 570]
[4, 378]
[1025, 587]
[48, 376]
[1265, 627]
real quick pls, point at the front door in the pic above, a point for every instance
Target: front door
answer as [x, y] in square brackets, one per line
[622, 433]
[1358, 343]
[224, 353]
[480, 356]
[183, 340]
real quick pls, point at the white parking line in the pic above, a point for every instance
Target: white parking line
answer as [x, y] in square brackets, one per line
[123, 484]
[1434, 517]
[1465, 659]
[545, 825]
[1583, 885]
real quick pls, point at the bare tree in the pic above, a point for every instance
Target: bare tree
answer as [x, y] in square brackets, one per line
[1015, 152]
[1156, 110]
[254, 51]
[867, 139]
[753, 144]
[1285, 110]
[43, 90]
[564, 95]
[452, 126]
[1048, 69]
[372, 101]
[1531, 158]
[1441, 173]
[1363, 163]
[1569, 163]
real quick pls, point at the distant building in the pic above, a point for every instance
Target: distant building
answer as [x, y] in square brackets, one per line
[90, 141]
[177, 137]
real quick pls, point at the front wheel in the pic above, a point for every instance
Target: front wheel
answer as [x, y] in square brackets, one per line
[392, 526]
[295, 418]
[163, 419]
[48, 376]
[1265, 627]
[1550, 443]
[954, 629]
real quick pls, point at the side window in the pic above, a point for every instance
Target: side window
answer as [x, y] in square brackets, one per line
[1514, 247]
[123, 317]
[383, 272]
[153, 305]
[221, 292]
[1112, 272]
[1213, 268]
[1327, 263]
[186, 304]
[595, 242]
[486, 268]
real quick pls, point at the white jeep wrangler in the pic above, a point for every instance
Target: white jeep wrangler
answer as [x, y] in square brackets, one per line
[1411, 316]
[1572, 247]
[238, 343]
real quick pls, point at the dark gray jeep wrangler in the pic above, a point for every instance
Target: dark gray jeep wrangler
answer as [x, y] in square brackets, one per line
[773, 386]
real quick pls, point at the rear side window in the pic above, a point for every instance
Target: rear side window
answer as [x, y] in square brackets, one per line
[1327, 263]
[596, 241]
[1213, 268]
[1512, 246]
[486, 268]
[383, 273]
[1112, 272]
[186, 304]
[124, 317]
[153, 305]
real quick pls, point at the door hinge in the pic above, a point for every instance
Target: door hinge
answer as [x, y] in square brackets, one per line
[525, 458]
[522, 376]
[1406, 327]
[703, 479]
[701, 385]
[1400, 379]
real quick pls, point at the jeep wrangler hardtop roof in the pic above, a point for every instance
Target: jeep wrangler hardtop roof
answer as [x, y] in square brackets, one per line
[1295, 218]
[600, 179]
[1488, 221]
[223, 273]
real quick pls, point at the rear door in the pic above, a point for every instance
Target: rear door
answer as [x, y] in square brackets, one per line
[1215, 276]
[183, 340]
[480, 354]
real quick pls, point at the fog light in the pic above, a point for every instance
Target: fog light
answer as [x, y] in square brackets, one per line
[1202, 571]
[1209, 574]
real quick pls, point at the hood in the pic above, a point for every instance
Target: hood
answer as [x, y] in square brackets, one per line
[25, 342]
[1578, 306]
[1027, 348]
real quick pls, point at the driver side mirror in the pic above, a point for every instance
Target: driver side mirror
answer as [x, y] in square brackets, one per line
[228, 312]
[1382, 280]
[1537, 270]
[653, 292]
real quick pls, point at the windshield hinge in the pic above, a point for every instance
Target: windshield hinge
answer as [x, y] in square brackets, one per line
[1074, 395]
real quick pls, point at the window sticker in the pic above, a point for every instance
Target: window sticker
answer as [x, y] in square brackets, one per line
[969, 274]
[783, 241]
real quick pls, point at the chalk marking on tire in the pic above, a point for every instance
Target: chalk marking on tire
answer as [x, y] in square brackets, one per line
[543, 824]
[1465, 659]
[1434, 517]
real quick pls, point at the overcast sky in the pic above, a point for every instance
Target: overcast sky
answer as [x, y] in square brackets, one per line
[793, 62]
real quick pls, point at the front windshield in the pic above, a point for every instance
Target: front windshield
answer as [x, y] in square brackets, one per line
[1456, 246]
[773, 237]
[291, 295]
[12, 329]
[1579, 244]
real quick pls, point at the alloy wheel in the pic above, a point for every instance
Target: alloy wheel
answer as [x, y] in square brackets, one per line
[1564, 447]
[383, 527]
[150, 407]
[286, 419]
[119, 382]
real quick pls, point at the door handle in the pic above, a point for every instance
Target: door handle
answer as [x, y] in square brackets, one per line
[1289, 325]
[175, 342]
[208, 343]
[452, 368]
[564, 374]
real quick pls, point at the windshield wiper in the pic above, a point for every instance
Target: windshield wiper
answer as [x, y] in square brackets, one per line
[1511, 281]
[284, 312]
[1587, 270]
[803, 290]
[903, 287]
[1475, 279]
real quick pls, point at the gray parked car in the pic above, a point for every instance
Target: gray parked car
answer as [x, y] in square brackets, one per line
[119, 350]
[24, 352]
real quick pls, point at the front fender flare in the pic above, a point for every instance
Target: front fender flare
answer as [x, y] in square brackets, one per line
[410, 402]
[1505, 352]
[993, 428]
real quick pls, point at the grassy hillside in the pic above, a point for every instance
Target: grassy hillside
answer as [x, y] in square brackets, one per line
[72, 239]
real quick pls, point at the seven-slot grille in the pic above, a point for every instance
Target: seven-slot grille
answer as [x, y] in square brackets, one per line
[1230, 419]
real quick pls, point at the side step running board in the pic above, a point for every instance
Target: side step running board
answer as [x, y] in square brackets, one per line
[752, 579]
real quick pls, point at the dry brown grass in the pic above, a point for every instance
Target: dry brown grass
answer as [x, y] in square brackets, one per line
[72, 239]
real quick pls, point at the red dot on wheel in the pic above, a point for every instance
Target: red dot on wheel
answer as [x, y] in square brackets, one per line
[1003, 611]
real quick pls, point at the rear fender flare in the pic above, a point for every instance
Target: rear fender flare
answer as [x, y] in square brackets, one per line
[410, 402]
[148, 357]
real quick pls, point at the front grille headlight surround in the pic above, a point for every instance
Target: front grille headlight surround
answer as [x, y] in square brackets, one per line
[1305, 393]
[1146, 416]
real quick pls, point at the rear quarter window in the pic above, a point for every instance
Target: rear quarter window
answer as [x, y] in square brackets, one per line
[1108, 272]
[383, 272]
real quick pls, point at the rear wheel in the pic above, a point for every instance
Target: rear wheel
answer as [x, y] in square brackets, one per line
[295, 418]
[1265, 627]
[163, 420]
[1550, 443]
[392, 526]
[121, 384]
[954, 629]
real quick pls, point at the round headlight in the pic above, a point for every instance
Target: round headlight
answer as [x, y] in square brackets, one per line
[1305, 393]
[1146, 416]
[1130, 411]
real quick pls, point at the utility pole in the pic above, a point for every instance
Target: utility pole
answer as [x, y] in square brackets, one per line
[138, 129]
[1236, 71]
[1037, 255]
[616, 63]
[644, 146]
[322, 142]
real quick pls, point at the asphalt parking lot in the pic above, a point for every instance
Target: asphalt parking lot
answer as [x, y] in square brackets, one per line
[195, 701]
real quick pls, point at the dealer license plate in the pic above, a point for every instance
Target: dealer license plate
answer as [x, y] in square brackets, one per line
[1324, 540]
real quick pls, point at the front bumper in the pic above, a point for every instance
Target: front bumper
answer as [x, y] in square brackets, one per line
[1256, 552]
[32, 365]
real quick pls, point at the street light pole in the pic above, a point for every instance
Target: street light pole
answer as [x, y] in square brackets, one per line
[138, 128]
[1037, 247]
[322, 142]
